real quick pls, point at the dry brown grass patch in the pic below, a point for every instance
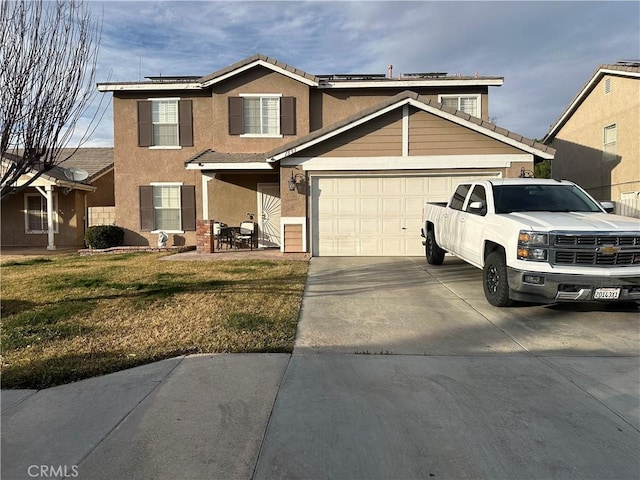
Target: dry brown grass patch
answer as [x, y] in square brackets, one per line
[65, 318]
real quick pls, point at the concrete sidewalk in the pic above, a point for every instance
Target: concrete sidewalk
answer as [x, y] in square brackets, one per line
[400, 370]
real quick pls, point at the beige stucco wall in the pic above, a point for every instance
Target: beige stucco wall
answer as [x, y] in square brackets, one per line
[135, 166]
[579, 142]
[330, 106]
[232, 195]
[262, 81]
[103, 196]
[70, 221]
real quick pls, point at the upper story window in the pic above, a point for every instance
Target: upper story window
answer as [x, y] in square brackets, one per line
[164, 116]
[165, 123]
[35, 213]
[469, 104]
[609, 142]
[262, 115]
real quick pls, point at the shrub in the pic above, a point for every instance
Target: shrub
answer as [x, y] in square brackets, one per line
[104, 236]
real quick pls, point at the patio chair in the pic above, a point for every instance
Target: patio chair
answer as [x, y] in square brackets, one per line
[221, 235]
[246, 234]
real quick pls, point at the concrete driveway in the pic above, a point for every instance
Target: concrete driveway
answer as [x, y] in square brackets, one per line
[400, 370]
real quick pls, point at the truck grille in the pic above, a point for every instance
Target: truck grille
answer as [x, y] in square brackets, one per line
[596, 250]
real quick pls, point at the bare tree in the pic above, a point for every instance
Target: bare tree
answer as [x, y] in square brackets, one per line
[48, 55]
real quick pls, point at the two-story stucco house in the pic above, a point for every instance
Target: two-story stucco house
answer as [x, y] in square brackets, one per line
[326, 164]
[597, 137]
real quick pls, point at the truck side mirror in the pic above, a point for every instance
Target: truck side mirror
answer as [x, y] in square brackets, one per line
[479, 208]
[609, 207]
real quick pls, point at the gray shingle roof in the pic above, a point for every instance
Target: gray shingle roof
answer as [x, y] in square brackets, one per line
[255, 58]
[95, 161]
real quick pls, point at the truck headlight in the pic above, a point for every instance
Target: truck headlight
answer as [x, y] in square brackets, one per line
[533, 238]
[533, 246]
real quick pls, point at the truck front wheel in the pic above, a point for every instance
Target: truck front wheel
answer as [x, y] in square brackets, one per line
[435, 255]
[494, 280]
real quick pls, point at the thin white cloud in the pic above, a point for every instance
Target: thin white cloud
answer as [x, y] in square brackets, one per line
[545, 50]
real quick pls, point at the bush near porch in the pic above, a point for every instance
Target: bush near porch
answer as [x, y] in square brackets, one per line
[66, 317]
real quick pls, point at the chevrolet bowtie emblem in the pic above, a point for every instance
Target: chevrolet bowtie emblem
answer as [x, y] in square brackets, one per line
[608, 249]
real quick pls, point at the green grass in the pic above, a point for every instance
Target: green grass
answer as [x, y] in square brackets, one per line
[66, 317]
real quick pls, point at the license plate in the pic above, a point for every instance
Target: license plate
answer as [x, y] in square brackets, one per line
[606, 294]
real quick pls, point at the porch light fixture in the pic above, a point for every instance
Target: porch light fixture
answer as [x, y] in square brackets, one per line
[293, 181]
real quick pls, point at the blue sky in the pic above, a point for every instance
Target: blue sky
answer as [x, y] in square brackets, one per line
[546, 51]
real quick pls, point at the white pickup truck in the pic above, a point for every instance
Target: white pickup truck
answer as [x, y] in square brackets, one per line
[537, 240]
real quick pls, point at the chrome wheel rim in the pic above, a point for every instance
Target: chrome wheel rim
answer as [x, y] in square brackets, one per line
[493, 279]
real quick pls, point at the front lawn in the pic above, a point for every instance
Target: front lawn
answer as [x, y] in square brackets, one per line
[68, 317]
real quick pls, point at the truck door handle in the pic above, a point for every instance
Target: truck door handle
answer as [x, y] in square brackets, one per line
[404, 228]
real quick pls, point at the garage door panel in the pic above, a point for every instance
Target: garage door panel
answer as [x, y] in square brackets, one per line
[392, 205]
[348, 206]
[370, 206]
[374, 215]
[370, 226]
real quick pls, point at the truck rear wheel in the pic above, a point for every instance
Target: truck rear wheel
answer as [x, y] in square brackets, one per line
[494, 280]
[435, 255]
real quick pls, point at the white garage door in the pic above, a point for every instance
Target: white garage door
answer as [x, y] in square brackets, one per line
[374, 215]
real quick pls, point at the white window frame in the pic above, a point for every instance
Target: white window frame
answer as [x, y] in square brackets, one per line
[261, 96]
[177, 185]
[609, 145]
[477, 97]
[43, 209]
[177, 146]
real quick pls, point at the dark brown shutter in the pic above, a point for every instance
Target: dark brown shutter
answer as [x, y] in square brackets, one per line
[185, 117]
[288, 116]
[146, 208]
[235, 115]
[145, 126]
[188, 206]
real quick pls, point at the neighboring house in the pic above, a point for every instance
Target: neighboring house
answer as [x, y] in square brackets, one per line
[326, 164]
[63, 194]
[597, 137]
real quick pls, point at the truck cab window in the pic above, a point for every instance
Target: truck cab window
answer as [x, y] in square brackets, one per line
[477, 195]
[458, 197]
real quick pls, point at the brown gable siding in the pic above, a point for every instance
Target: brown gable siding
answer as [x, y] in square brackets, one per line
[380, 137]
[432, 135]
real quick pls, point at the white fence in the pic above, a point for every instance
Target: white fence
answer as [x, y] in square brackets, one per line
[629, 204]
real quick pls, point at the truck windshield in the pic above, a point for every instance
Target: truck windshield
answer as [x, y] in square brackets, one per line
[542, 198]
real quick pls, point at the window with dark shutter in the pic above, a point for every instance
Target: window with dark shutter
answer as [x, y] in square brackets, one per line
[145, 125]
[235, 115]
[146, 208]
[188, 206]
[185, 119]
[288, 116]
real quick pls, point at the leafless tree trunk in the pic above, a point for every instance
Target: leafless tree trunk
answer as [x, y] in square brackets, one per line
[48, 55]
